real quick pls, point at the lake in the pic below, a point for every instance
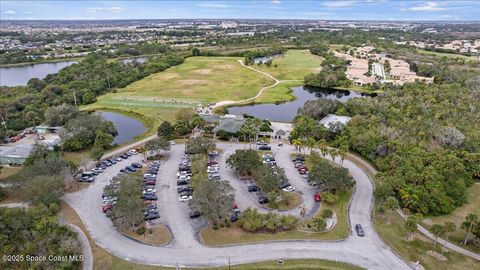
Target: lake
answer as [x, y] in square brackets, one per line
[285, 112]
[20, 75]
[127, 127]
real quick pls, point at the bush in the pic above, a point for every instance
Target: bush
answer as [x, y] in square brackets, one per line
[252, 221]
[327, 213]
[140, 230]
[329, 197]
[319, 224]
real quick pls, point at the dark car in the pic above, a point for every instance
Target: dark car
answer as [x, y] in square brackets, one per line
[182, 182]
[130, 168]
[152, 216]
[111, 160]
[359, 230]
[262, 198]
[150, 197]
[265, 147]
[195, 214]
[252, 188]
[184, 188]
[136, 165]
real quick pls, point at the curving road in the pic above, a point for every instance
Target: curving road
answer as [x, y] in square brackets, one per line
[185, 250]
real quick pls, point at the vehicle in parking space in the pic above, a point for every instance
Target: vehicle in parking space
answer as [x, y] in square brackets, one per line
[106, 207]
[117, 158]
[150, 197]
[317, 197]
[132, 151]
[235, 215]
[130, 168]
[359, 230]
[149, 190]
[184, 198]
[186, 193]
[194, 213]
[184, 188]
[149, 175]
[152, 216]
[262, 198]
[252, 188]
[88, 179]
[262, 143]
[265, 147]
[106, 163]
[183, 177]
[288, 188]
[280, 143]
[298, 158]
[98, 170]
[213, 153]
[182, 182]
[136, 165]
[212, 162]
[112, 160]
[214, 176]
[184, 173]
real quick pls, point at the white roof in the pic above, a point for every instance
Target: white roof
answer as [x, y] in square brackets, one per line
[332, 118]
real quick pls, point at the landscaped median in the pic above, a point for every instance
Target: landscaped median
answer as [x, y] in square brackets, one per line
[237, 235]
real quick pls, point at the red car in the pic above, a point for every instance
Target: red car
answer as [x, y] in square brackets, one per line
[317, 197]
[106, 207]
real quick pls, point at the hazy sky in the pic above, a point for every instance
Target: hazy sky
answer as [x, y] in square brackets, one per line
[276, 9]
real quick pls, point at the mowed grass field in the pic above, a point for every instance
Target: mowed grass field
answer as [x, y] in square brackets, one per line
[294, 65]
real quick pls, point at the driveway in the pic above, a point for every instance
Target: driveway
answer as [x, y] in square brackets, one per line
[185, 250]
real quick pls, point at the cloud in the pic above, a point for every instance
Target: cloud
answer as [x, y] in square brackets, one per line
[428, 6]
[276, 2]
[211, 5]
[107, 9]
[10, 12]
[338, 4]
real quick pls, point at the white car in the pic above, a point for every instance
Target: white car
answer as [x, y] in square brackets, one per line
[149, 175]
[184, 198]
[149, 190]
[184, 177]
[289, 188]
[133, 151]
[172, 142]
[118, 158]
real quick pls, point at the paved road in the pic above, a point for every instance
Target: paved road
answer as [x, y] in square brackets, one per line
[369, 252]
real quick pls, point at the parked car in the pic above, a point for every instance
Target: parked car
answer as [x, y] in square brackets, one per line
[194, 214]
[136, 165]
[152, 216]
[317, 197]
[265, 147]
[149, 190]
[150, 197]
[88, 179]
[252, 188]
[184, 188]
[184, 198]
[359, 230]
[288, 188]
[130, 168]
[182, 182]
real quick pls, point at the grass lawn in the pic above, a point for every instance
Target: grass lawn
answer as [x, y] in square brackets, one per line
[7, 171]
[294, 65]
[159, 235]
[78, 158]
[104, 260]
[458, 216]
[234, 234]
[281, 92]
[415, 250]
[294, 201]
[449, 55]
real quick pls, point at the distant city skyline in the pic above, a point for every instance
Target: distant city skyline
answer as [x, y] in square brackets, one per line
[384, 10]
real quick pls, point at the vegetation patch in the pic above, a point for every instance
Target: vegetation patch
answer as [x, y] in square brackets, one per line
[158, 235]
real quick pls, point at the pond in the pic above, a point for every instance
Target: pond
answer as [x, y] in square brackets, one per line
[20, 75]
[131, 60]
[128, 128]
[264, 59]
[285, 112]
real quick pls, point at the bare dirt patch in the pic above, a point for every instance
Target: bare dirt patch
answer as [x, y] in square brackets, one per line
[169, 76]
[224, 67]
[204, 71]
[192, 82]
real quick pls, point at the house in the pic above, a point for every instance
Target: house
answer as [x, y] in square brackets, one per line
[229, 123]
[14, 155]
[47, 129]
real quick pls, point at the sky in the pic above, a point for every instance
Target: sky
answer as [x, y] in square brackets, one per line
[242, 9]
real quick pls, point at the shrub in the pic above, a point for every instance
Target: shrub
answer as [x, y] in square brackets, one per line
[329, 197]
[140, 230]
[319, 224]
[327, 213]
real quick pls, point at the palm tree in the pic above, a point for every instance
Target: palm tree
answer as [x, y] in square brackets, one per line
[298, 144]
[411, 226]
[342, 152]
[468, 224]
[437, 230]
[323, 146]
[311, 142]
[449, 228]
[333, 153]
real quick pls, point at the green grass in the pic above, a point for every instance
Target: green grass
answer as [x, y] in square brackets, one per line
[198, 80]
[294, 65]
[234, 234]
[78, 158]
[415, 250]
[449, 55]
[458, 216]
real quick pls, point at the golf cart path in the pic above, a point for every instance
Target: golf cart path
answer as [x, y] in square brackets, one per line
[420, 228]
[260, 92]
[368, 252]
